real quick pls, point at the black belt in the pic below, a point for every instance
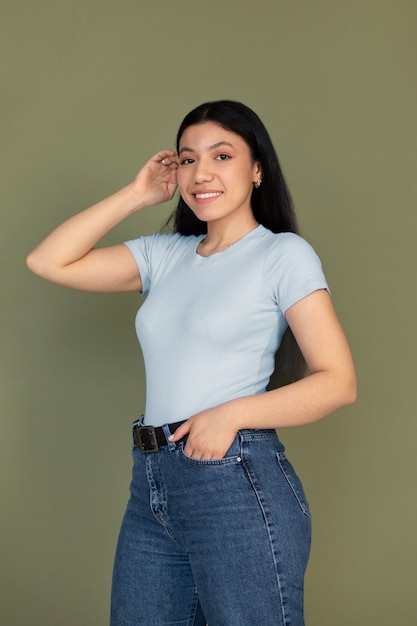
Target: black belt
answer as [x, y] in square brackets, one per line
[151, 438]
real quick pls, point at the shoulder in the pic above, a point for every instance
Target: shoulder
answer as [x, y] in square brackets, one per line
[292, 268]
[282, 247]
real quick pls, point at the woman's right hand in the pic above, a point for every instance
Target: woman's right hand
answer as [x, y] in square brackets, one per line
[157, 180]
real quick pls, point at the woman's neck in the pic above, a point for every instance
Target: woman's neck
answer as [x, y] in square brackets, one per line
[221, 236]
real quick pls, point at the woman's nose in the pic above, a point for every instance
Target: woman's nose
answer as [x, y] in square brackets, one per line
[203, 171]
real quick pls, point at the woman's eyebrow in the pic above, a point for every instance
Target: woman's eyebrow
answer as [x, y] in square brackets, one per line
[213, 147]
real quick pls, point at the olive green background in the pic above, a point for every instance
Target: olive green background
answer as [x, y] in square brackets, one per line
[90, 90]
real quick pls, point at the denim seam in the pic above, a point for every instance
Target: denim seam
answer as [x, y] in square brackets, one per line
[257, 491]
[304, 509]
[156, 502]
[227, 460]
[193, 614]
[172, 536]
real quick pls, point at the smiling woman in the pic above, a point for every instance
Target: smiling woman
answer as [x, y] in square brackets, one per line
[216, 176]
[217, 528]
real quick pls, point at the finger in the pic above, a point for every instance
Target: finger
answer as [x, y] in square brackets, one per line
[164, 154]
[195, 453]
[166, 157]
[181, 431]
[188, 450]
[170, 162]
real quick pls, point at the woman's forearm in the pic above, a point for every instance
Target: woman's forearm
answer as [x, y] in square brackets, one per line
[69, 256]
[211, 432]
[299, 403]
[75, 237]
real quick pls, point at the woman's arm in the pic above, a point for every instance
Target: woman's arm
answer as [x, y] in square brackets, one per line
[68, 255]
[330, 385]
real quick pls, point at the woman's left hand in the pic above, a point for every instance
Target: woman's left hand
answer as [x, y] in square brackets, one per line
[210, 435]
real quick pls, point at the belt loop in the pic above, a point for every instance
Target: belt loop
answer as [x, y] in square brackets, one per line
[171, 444]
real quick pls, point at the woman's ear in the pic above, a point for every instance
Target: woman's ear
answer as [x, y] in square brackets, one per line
[257, 171]
[257, 175]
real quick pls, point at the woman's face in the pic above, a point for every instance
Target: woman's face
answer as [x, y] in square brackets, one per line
[216, 172]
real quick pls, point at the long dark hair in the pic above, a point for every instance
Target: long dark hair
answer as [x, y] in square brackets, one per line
[271, 205]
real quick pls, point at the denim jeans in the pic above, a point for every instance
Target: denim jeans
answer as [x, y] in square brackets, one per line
[223, 541]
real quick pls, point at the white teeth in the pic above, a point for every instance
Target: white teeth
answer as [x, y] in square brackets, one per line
[208, 195]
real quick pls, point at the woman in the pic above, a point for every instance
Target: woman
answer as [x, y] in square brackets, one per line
[217, 528]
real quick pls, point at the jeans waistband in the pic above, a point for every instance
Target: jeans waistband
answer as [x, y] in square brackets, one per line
[257, 433]
[149, 438]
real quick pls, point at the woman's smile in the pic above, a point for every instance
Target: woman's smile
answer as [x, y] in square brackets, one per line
[202, 196]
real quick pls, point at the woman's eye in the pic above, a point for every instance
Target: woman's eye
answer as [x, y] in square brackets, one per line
[187, 161]
[222, 157]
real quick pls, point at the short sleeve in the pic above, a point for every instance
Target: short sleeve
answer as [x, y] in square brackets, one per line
[141, 250]
[155, 254]
[293, 270]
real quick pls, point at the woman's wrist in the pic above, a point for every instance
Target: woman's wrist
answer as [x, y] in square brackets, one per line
[134, 201]
[236, 413]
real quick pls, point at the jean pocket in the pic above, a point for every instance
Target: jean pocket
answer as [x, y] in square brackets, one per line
[232, 457]
[293, 482]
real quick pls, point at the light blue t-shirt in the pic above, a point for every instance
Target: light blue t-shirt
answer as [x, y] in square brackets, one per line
[210, 326]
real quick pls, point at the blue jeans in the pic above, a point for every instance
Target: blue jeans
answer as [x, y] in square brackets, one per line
[224, 542]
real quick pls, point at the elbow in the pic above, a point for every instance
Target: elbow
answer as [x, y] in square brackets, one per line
[32, 263]
[35, 264]
[341, 388]
[351, 395]
[349, 392]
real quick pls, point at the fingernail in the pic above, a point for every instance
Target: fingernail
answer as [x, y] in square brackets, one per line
[171, 438]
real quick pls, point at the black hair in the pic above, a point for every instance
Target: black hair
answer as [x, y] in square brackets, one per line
[271, 204]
